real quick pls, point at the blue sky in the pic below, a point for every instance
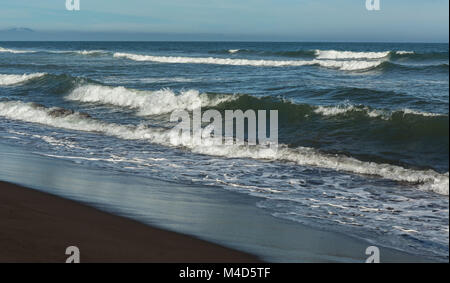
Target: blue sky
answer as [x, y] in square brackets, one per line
[302, 20]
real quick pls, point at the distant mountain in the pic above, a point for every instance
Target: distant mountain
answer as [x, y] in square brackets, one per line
[19, 29]
[18, 33]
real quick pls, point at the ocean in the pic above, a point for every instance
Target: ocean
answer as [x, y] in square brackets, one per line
[363, 127]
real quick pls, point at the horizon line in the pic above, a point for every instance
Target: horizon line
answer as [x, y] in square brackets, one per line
[237, 41]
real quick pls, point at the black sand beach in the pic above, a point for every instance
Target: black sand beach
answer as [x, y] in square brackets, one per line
[38, 227]
[210, 214]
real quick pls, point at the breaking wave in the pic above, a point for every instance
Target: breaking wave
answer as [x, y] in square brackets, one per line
[88, 52]
[76, 52]
[334, 54]
[147, 102]
[385, 114]
[286, 53]
[79, 52]
[338, 54]
[6, 80]
[15, 51]
[368, 133]
[354, 65]
[163, 101]
[301, 110]
[429, 180]
[404, 52]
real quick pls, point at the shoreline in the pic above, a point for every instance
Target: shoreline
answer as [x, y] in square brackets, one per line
[211, 214]
[38, 227]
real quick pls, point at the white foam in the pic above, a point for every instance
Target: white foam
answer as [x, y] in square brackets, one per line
[404, 52]
[405, 230]
[341, 65]
[349, 65]
[29, 112]
[17, 79]
[333, 110]
[334, 54]
[426, 179]
[233, 51]
[89, 52]
[58, 142]
[346, 108]
[6, 50]
[421, 113]
[147, 102]
[373, 113]
[80, 52]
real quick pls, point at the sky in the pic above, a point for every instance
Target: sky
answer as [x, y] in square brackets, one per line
[290, 20]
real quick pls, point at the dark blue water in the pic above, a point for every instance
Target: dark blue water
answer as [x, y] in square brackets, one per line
[363, 128]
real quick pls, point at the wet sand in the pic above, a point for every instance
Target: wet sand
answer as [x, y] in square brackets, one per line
[38, 227]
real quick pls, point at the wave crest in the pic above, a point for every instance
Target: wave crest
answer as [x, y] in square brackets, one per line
[341, 65]
[334, 54]
[89, 52]
[14, 51]
[6, 80]
[384, 114]
[147, 102]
